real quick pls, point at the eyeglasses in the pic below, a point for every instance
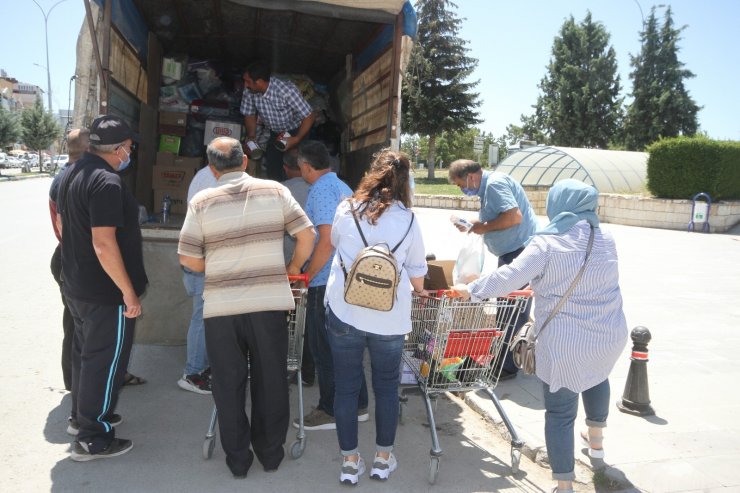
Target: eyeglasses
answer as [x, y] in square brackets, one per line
[131, 147]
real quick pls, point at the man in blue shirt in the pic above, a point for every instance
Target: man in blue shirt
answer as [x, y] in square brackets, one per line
[506, 221]
[325, 194]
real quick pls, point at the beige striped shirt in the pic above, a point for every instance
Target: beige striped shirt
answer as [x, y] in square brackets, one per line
[238, 228]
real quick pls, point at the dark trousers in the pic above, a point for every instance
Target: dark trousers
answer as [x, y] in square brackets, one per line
[100, 352]
[508, 364]
[238, 345]
[68, 324]
[274, 157]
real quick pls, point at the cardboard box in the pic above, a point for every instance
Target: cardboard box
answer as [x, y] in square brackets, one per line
[173, 123]
[439, 274]
[215, 128]
[165, 158]
[178, 200]
[195, 163]
[171, 178]
[169, 143]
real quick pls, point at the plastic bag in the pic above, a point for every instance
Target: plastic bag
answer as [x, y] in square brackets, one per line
[470, 260]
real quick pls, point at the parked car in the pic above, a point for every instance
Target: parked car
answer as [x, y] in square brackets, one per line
[61, 160]
[14, 162]
[3, 160]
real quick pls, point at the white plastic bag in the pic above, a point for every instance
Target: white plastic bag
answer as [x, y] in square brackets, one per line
[470, 260]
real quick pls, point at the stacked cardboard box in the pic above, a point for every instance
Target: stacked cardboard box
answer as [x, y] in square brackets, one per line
[172, 175]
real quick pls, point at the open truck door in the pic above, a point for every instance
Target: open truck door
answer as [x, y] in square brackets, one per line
[354, 51]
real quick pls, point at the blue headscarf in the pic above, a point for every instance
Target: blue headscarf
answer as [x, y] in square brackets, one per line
[568, 202]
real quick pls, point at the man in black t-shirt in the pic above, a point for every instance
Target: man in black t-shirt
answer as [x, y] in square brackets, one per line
[103, 271]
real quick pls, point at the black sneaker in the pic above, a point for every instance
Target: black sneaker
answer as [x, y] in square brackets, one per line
[118, 446]
[73, 428]
[195, 383]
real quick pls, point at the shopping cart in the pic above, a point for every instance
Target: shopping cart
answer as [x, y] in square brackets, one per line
[457, 345]
[296, 327]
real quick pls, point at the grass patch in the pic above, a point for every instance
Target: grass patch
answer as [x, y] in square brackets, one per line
[439, 185]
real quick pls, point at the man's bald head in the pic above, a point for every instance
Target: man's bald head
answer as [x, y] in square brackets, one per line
[225, 154]
[78, 140]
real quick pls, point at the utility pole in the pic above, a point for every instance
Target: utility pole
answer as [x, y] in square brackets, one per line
[46, 34]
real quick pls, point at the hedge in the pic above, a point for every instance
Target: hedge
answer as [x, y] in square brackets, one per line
[681, 167]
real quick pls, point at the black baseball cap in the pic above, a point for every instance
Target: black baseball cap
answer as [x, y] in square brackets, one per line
[109, 129]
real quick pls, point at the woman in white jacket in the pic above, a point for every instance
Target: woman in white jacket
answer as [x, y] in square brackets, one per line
[579, 347]
[381, 205]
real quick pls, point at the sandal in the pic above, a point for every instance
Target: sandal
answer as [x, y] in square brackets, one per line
[129, 379]
[594, 453]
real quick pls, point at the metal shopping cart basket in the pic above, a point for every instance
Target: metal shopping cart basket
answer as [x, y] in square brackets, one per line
[457, 345]
[296, 328]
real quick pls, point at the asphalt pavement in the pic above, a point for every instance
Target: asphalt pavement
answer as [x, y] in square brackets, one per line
[682, 286]
[168, 425]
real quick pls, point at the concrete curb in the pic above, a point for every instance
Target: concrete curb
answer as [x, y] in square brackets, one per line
[535, 450]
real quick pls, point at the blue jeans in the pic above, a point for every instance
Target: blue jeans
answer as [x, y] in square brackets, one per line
[561, 408]
[321, 351]
[348, 347]
[197, 357]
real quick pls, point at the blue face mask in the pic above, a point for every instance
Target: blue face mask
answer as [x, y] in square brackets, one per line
[469, 191]
[125, 163]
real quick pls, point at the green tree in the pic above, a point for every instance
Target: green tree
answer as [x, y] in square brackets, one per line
[580, 105]
[39, 129]
[437, 96]
[661, 106]
[10, 129]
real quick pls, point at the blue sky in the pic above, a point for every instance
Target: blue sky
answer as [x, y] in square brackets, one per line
[512, 41]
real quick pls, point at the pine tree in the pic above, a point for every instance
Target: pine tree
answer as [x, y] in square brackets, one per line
[39, 129]
[436, 95]
[662, 106]
[10, 129]
[580, 104]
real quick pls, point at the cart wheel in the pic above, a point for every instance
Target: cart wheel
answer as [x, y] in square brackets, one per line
[433, 469]
[297, 448]
[208, 445]
[516, 456]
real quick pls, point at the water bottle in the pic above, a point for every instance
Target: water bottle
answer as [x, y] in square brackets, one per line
[166, 203]
[459, 221]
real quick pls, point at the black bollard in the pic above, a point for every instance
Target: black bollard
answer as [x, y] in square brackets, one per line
[636, 397]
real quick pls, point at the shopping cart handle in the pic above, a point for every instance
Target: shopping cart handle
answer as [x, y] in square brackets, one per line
[298, 277]
[521, 293]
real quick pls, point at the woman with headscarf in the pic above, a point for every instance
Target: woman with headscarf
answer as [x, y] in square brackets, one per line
[381, 208]
[577, 352]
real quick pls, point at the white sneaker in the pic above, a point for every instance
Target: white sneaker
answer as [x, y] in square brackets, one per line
[382, 468]
[362, 415]
[351, 471]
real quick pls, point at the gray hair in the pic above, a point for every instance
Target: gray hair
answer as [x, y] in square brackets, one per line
[225, 160]
[104, 148]
[462, 168]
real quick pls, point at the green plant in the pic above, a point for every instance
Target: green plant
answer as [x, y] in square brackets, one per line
[679, 168]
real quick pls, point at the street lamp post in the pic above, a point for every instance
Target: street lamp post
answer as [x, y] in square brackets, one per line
[46, 34]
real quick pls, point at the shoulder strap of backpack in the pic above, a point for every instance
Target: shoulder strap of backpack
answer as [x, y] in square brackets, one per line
[404, 235]
[357, 223]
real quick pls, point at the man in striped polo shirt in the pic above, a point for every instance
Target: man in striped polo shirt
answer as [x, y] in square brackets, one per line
[234, 233]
